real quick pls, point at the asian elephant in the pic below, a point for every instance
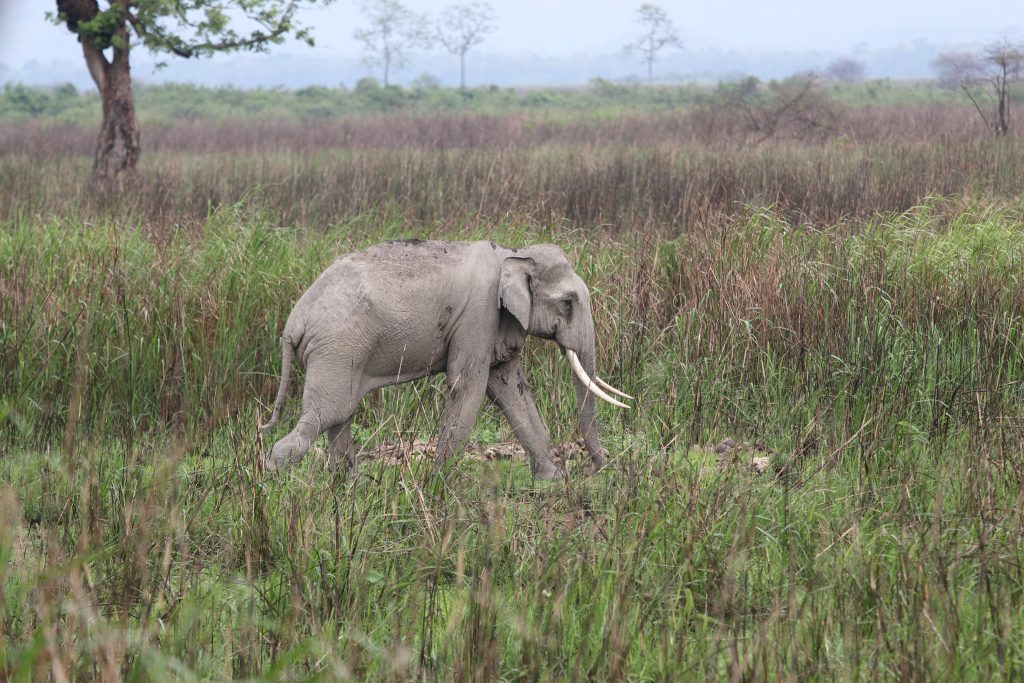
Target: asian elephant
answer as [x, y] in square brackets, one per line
[405, 309]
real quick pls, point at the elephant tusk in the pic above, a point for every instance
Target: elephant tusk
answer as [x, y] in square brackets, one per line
[592, 387]
[612, 389]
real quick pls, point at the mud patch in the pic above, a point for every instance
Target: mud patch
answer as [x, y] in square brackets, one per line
[730, 453]
[418, 449]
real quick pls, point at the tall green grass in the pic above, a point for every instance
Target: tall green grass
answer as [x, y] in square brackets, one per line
[879, 361]
[920, 312]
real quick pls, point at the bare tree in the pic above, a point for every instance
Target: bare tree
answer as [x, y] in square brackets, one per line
[183, 28]
[964, 72]
[658, 32]
[1005, 60]
[845, 70]
[986, 80]
[462, 27]
[796, 105]
[393, 31]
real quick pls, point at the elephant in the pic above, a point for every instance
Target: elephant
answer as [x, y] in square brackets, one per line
[405, 309]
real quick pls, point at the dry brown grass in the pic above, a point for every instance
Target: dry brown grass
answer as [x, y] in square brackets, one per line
[665, 172]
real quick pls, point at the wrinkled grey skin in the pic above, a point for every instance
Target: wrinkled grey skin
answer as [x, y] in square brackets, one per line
[402, 310]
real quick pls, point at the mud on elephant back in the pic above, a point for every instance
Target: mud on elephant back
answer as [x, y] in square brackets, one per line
[405, 309]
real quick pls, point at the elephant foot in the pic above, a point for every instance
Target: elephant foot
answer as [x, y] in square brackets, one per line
[341, 464]
[546, 471]
[271, 464]
[288, 451]
[596, 463]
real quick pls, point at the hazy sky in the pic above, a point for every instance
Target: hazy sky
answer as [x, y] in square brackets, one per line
[572, 27]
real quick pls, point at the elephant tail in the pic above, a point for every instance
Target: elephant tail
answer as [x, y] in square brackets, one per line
[287, 351]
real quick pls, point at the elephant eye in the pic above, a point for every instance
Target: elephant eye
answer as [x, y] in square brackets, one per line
[565, 307]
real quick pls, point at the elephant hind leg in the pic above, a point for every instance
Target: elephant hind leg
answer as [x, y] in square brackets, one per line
[322, 410]
[292, 447]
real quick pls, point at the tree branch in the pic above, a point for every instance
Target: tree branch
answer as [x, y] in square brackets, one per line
[977, 107]
[97, 64]
[272, 31]
[140, 28]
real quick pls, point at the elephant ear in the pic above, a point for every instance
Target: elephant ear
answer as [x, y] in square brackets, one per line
[514, 288]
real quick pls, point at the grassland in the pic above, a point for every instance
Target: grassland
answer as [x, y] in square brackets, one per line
[851, 301]
[173, 102]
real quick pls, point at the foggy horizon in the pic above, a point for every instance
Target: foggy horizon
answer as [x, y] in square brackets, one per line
[536, 43]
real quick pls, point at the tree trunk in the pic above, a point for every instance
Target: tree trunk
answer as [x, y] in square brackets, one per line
[118, 146]
[462, 70]
[1003, 114]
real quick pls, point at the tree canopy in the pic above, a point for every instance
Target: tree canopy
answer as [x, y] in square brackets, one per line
[187, 28]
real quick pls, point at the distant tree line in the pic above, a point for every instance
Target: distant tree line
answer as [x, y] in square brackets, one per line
[172, 102]
[734, 100]
[393, 29]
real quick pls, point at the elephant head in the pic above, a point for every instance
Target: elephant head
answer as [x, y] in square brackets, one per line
[549, 300]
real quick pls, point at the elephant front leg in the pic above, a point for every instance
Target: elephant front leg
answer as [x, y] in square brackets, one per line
[467, 384]
[507, 387]
[340, 448]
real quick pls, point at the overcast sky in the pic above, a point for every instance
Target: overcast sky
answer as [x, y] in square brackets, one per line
[551, 42]
[569, 27]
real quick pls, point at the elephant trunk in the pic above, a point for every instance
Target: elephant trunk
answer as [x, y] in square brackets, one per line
[585, 399]
[582, 355]
[578, 341]
[586, 404]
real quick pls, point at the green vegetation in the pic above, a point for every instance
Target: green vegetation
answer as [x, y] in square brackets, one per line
[879, 364]
[162, 104]
[868, 336]
[908, 312]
